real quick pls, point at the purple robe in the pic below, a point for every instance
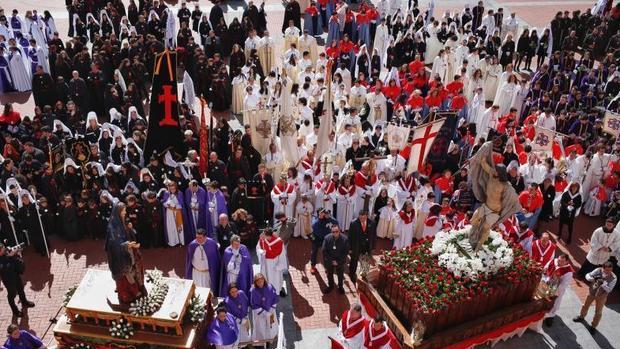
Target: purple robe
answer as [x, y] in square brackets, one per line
[264, 298]
[187, 234]
[25, 341]
[201, 195]
[246, 273]
[220, 205]
[238, 306]
[223, 332]
[213, 257]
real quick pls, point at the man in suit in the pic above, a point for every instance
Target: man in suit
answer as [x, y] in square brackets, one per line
[362, 237]
[335, 247]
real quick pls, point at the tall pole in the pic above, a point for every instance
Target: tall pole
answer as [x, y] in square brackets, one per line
[36, 206]
[8, 212]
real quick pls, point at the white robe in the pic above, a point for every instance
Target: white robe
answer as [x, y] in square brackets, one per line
[382, 41]
[475, 108]
[22, 77]
[403, 233]
[519, 98]
[440, 67]
[346, 206]
[238, 93]
[487, 120]
[493, 72]
[346, 78]
[262, 327]
[378, 107]
[433, 45]
[308, 43]
[598, 254]
[200, 263]
[266, 54]
[388, 217]
[303, 215]
[174, 237]
[504, 97]
[284, 202]
[272, 268]
[561, 290]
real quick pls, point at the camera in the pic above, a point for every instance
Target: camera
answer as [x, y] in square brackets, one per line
[17, 248]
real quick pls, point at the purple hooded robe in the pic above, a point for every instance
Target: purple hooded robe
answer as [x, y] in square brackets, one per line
[246, 273]
[220, 206]
[201, 195]
[238, 306]
[223, 332]
[264, 297]
[213, 257]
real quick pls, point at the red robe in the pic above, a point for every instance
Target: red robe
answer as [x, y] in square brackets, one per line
[353, 328]
[377, 339]
[272, 245]
[543, 254]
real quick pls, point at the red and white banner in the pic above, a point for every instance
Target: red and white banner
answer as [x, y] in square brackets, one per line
[423, 138]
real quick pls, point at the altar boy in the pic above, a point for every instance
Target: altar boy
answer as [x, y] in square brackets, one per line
[202, 263]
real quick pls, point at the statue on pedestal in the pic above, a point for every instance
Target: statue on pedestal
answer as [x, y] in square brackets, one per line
[124, 258]
[491, 187]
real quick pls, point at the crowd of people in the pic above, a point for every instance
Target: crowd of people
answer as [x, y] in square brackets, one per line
[383, 63]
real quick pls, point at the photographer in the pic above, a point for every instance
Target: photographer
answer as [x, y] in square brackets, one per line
[321, 227]
[602, 281]
[11, 268]
[20, 339]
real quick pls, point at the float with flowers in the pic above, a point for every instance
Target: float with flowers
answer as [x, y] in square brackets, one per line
[439, 293]
[171, 315]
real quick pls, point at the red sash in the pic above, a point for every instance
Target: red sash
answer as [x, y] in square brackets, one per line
[554, 270]
[375, 340]
[280, 189]
[272, 247]
[407, 184]
[407, 217]
[342, 190]
[543, 255]
[351, 329]
[518, 237]
[361, 180]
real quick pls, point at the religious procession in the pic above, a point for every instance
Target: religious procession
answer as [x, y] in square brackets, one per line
[356, 174]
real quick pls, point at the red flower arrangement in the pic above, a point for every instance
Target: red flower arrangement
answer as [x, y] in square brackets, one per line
[438, 298]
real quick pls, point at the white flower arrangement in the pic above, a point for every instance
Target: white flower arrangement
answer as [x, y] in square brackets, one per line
[495, 253]
[81, 346]
[151, 303]
[121, 328]
[196, 310]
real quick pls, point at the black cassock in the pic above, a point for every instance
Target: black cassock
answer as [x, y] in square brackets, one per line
[292, 12]
[29, 223]
[215, 15]
[43, 90]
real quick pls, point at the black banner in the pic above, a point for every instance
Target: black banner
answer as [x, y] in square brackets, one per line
[79, 149]
[164, 132]
[57, 158]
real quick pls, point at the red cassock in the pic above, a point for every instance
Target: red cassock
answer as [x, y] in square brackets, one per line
[433, 101]
[514, 235]
[391, 92]
[554, 270]
[454, 87]
[458, 102]
[361, 180]
[333, 52]
[415, 102]
[272, 245]
[415, 66]
[346, 46]
[351, 329]
[377, 339]
[280, 189]
[543, 254]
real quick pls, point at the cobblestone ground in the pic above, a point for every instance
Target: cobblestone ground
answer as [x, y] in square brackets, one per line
[48, 279]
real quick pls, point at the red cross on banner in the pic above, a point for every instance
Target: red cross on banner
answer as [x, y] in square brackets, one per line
[422, 140]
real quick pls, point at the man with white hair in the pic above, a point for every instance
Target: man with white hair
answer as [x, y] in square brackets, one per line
[511, 25]
[351, 327]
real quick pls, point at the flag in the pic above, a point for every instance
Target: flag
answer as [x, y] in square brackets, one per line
[423, 138]
[397, 136]
[611, 123]
[204, 139]
[543, 139]
[260, 124]
[164, 132]
[326, 122]
[57, 158]
[437, 155]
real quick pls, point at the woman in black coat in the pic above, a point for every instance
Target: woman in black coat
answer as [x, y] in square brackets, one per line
[523, 48]
[548, 191]
[508, 50]
[569, 205]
